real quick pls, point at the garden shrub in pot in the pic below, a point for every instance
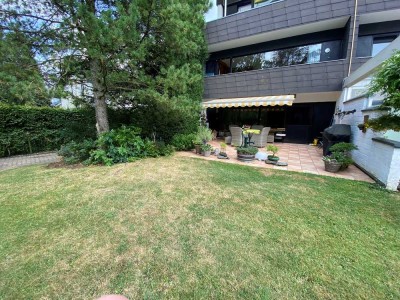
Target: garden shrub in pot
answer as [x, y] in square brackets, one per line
[246, 153]
[206, 149]
[274, 149]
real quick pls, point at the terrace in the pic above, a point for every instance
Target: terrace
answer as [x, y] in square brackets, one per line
[300, 158]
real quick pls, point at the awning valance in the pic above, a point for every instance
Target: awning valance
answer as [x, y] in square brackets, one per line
[250, 101]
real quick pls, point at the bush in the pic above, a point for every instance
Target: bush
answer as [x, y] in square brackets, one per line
[125, 145]
[183, 142]
[206, 147]
[74, 152]
[247, 150]
[340, 152]
[34, 129]
[204, 135]
[272, 148]
[163, 121]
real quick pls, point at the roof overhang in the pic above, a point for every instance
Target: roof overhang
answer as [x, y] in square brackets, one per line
[250, 101]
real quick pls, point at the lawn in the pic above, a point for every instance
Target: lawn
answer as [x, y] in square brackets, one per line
[187, 228]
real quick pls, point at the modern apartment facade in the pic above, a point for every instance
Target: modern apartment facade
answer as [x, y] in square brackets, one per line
[262, 53]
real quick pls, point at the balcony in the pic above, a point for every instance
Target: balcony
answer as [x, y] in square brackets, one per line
[306, 78]
[287, 18]
[224, 8]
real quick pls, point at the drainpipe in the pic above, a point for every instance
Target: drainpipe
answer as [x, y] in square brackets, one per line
[353, 35]
[225, 7]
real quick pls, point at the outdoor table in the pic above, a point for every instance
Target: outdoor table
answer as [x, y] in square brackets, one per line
[247, 135]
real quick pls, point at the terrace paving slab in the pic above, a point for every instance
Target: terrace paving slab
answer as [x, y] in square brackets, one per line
[300, 158]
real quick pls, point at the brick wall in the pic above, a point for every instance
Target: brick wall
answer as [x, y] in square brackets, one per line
[378, 159]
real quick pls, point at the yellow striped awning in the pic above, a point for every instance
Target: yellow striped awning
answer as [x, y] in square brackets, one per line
[250, 101]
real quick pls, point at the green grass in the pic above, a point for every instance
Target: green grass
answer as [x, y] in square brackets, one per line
[186, 228]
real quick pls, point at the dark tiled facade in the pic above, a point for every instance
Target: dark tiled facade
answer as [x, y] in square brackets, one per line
[309, 78]
[319, 77]
[288, 13]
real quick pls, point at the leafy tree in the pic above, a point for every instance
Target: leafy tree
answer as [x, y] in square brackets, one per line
[20, 79]
[387, 82]
[125, 52]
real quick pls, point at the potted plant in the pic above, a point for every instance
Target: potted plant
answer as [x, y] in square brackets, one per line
[197, 144]
[204, 134]
[246, 153]
[342, 153]
[206, 149]
[340, 158]
[223, 147]
[274, 149]
[331, 164]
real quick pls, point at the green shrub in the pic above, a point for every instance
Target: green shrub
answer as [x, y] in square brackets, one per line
[206, 147]
[163, 149]
[204, 134]
[74, 152]
[341, 153]
[343, 147]
[33, 129]
[125, 145]
[247, 150]
[272, 148]
[183, 142]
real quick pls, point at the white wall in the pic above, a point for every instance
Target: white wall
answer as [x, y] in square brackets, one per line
[380, 160]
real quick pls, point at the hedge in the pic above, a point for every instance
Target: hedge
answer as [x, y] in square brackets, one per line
[34, 129]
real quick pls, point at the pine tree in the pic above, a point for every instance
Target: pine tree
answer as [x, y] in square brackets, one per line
[128, 52]
[20, 79]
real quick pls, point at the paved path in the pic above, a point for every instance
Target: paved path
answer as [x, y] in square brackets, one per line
[27, 160]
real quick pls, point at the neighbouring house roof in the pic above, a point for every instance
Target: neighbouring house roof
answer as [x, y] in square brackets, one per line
[250, 101]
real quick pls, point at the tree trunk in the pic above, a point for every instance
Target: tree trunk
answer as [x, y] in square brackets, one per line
[100, 104]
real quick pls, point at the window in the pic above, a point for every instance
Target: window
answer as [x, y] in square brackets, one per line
[371, 45]
[224, 66]
[258, 3]
[279, 58]
[247, 63]
[314, 53]
[235, 6]
[380, 43]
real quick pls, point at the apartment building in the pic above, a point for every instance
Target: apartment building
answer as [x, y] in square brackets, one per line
[282, 63]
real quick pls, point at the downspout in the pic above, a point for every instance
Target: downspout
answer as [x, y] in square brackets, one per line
[225, 7]
[353, 35]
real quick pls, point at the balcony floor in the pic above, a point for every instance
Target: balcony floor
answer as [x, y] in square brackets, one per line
[300, 158]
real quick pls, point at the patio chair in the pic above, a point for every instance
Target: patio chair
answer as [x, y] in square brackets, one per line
[260, 140]
[259, 127]
[236, 133]
[230, 126]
